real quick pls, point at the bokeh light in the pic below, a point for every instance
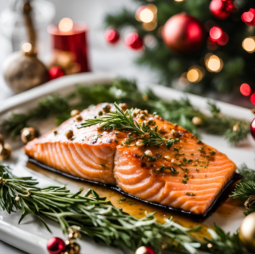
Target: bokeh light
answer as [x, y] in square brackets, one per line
[249, 44]
[252, 98]
[213, 63]
[216, 33]
[245, 89]
[26, 47]
[179, 1]
[146, 15]
[65, 25]
[195, 74]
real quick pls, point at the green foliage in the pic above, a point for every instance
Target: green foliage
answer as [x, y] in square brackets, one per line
[238, 66]
[92, 215]
[122, 90]
[98, 219]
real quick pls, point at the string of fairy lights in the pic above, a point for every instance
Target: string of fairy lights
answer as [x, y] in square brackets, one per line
[217, 37]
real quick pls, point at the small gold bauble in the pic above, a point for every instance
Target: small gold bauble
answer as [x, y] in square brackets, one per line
[5, 151]
[72, 247]
[235, 127]
[28, 134]
[196, 120]
[247, 232]
[73, 234]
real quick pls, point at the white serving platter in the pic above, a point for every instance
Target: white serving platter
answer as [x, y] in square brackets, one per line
[31, 236]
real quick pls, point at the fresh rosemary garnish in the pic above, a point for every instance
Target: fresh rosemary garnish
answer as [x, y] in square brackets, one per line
[92, 215]
[120, 120]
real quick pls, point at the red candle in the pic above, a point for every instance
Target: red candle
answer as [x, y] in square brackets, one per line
[71, 37]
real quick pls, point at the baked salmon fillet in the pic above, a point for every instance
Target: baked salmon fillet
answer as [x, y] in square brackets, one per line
[188, 174]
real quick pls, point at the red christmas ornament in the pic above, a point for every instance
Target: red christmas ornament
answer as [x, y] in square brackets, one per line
[253, 128]
[134, 41]
[145, 250]
[249, 17]
[55, 72]
[112, 36]
[55, 245]
[221, 9]
[183, 33]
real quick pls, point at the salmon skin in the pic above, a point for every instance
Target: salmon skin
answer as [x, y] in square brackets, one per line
[188, 176]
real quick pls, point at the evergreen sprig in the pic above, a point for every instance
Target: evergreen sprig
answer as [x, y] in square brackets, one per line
[121, 120]
[91, 215]
[98, 219]
[122, 90]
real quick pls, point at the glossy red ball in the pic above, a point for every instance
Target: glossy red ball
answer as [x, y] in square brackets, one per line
[55, 72]
[56, 245]
[253, 128]
[112, 36]
[221, 9]
[183, 33]
[145, 250]
[134, 41]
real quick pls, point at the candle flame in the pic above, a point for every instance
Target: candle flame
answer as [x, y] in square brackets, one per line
[65, 25]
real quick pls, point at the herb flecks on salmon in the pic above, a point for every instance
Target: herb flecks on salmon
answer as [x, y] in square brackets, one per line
[133, 147]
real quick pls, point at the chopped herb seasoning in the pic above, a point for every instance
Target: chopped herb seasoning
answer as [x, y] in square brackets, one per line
[184, 159]
[73, 138]
[197, 169]
[103, 165]
[199, 142]
[116, 141]
[212, 152]
[151, 158]
[189, 161]
[55, 132]
[190, 194]
[158, 156]
[192, 154]
[121, 199]
[176, 149]
[184, 181]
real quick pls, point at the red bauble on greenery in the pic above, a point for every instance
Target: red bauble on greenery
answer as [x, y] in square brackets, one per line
[221, 9]
[183, 33]
[56, 245]
[55, 72]
[134, 41]
[253, 128]
[145, 250]
[112, 36]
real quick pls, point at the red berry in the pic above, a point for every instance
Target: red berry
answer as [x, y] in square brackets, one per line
[112, 36]
[134, 41]
[55, 72]
[145, 250]
[55, 245]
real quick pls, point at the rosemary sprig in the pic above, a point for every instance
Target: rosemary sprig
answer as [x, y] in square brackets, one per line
[122, 90]
[91, 215]
[121, 120]
[98, 219]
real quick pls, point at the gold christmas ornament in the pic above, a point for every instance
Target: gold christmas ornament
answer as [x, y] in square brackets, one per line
[247, 232]
[5, 151]
[72, 247]
[73, 234]
[253, 111]
[28, 134]
[235, 127]
[23, 70]
[197, 120]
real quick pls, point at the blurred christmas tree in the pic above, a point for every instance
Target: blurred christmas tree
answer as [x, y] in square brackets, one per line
[195, 45]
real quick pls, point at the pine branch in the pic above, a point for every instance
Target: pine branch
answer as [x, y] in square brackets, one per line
[122, 90]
